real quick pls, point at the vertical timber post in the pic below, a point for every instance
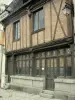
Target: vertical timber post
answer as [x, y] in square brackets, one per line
[33, 65]
[73, 45]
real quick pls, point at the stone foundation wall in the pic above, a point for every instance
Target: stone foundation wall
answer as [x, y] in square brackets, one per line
[27, 83]
[65, 88]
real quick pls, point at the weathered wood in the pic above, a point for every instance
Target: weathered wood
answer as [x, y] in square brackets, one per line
[56, 27]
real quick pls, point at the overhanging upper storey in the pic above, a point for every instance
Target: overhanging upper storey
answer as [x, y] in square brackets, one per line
[31, 23]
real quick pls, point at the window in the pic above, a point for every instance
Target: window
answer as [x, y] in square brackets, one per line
[40, 64]
[68, 67]
[57, 63]
[17, 30]
[61, 62]
[23, 64]
[38, 20]
[61, 65]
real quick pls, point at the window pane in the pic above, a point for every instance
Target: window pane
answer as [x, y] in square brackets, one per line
[61, 61]
[43, 66]
[48, 54]
[48, 62]
[23, 57]
[54, 53]
[69, 61]
[68, 51]
[61, 52]
[27, 57]
[61, 65]
[43, 54]
[69, 66]
[51, 62]
[20, 67]
[55, 67]
[30, 67]
[37, 67]
[35, 21]
[15, 37]
[52, 69]
[17, 69]
[41, 19]
[18, 30]
[23, 68]
[27, 67]
[48, 67]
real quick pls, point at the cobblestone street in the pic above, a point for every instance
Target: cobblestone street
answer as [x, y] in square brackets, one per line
[17, 95]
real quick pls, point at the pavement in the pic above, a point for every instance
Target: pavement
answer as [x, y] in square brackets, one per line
[18, 95]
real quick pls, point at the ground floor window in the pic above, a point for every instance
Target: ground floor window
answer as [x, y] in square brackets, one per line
[55, 62]
[23, 64]
[52, 63]
[40, 63]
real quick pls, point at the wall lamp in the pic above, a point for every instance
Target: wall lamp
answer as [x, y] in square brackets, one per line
[68, 9]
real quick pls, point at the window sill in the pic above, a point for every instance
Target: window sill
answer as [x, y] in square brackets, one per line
[42, 29]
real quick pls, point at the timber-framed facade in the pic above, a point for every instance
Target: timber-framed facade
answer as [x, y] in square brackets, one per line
[39, 39]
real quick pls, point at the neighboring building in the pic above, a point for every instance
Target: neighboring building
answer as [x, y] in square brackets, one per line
[2, 43]
[2, 46]
[39, 43]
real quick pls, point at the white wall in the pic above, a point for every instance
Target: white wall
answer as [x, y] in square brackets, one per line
[3, 76]
[0, 60]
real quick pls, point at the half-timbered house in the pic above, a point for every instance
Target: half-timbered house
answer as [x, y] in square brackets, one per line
[39, 43]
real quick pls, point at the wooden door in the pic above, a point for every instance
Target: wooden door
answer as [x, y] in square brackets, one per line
[51, 71]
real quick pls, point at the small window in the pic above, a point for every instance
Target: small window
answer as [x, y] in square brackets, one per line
[17, 30]
[38, 20]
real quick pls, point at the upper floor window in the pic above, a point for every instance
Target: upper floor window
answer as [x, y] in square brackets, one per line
[38, 20]
[17, 30]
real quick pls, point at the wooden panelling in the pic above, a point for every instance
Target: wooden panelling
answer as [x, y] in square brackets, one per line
[9, 37]
[57, 26]
[24, 41]
[28, 31]
[47, 22]
[21, 30]
[14, 46]
[18, 45]
[2, 38]
[34, 39]
[63, 20]
[40, 37]
[25, 31]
